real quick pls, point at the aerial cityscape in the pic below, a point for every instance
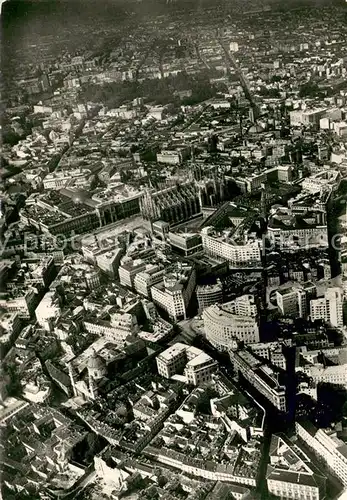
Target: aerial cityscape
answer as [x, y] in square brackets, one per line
[173, 235]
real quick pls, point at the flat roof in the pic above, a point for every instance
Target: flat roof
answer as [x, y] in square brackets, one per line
[199, 359]
[172, 351]
[286, 291]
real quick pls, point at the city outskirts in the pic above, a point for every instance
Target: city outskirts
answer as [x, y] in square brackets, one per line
[173, 241]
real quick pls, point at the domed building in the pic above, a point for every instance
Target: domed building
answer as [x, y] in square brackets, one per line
[96, 367]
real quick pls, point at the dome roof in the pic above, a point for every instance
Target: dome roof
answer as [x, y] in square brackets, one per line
[96, 362]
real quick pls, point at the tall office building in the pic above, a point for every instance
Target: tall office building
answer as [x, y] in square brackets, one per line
[233, 321]
[174, 291]
[287, 301]
[209, 295]
[294, 301]
[145, 279]
[186, 244]
[221, 246]
[329, 308]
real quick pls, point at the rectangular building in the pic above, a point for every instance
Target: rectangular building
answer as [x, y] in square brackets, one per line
[223, 247]
[261, 377]
[327, 445]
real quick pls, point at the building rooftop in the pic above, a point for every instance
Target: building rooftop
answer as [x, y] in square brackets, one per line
[251, 360]
[286, 291]
[290, 464]
[173, 351]
[199, 360]
[216, 287]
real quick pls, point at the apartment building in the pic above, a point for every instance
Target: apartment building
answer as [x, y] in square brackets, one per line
[290, 474]
[273, 351]
[197, 366]
[327, 445]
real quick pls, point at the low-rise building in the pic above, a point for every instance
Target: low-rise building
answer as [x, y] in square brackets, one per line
[273, 351]
[63, 178]
[22, 301]
[121, 326]
[322, 180]
[306, 117]
[10, 327]
[328, 374]
[293, 231]
[173, 156]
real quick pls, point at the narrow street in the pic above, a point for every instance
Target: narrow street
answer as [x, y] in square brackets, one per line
[261, 488]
